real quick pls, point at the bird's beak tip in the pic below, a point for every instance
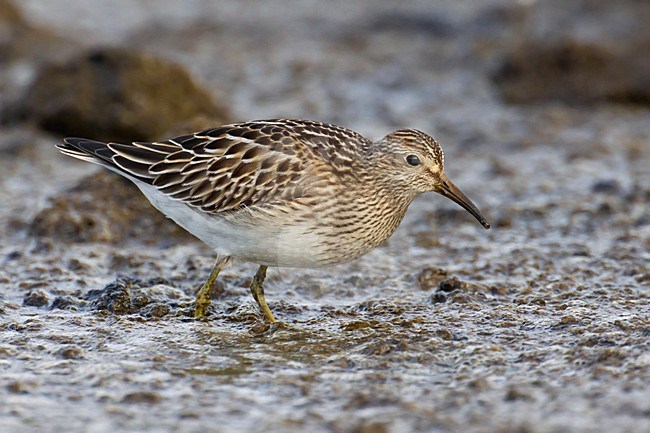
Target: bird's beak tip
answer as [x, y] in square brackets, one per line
[451, 191]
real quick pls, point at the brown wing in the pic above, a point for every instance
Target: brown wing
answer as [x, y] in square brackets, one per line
[217, 170]
[232, 166]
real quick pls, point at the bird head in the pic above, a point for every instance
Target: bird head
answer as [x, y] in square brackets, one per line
[415, 162]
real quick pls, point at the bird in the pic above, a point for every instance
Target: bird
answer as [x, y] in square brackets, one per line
[280, 192]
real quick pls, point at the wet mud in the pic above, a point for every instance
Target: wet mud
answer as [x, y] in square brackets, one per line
[541, 323]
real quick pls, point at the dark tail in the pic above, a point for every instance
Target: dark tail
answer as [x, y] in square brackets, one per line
[131, 161]
[87, 150]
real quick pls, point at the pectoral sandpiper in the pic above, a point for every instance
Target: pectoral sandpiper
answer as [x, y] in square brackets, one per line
[281, 192]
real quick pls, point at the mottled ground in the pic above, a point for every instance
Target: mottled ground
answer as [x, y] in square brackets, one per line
[541, 324]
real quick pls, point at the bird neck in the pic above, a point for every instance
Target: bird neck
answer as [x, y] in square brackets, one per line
[389, 203]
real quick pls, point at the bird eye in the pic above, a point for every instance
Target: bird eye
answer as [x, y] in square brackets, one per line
[412, 160]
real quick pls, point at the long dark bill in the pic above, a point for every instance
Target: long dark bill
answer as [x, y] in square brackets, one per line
[451, 191]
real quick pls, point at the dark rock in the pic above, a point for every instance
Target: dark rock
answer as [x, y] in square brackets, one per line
[23, 48]
[371, 427]
[77, 266]
[115, 297]
[19, 387]
[155, 310]
[126, 296]
[455, 291]
[9, 14]
[147, 397]
[438, 297]
[578, 52]
[63, 303]
[117, 95]
[19, 38]
[140, 301]
[429, 278]
[452, 283]
[36, 298]
[445, 334]
[104, 207]
[497, 290]
[516, 393]
[71, 352]
[14, 255]
[606, 186]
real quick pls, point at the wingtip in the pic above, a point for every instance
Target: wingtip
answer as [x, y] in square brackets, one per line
[76, 140]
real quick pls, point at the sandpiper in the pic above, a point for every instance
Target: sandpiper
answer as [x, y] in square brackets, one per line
[281, 192]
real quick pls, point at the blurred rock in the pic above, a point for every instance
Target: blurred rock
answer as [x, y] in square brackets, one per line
[71, 352]
[115, 297]
[147, 397]
[19, 387]
[23, 47]
[104, 207]
[36, 298]
[452, 283]
[606, 186]
[10, 17]
[155, 310]
[430, 278]
[64, 303]
[578, 52]
[128, 296]
[117, 95]
[19, 39]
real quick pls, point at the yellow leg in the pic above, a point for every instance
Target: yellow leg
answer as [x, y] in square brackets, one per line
[258, 292]
[203, 295]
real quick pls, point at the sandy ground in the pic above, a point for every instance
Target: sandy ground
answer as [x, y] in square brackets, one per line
[541, 324]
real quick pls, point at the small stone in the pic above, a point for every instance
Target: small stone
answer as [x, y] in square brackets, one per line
[155, 310]
[115, 298]
[36, 298]
[140, 301]
[515, 393]
[606, 186]
[498, 290]
[76, 265]
[63, 303]
[429, 278]
[14, 255]
[71, 352]
[451, 284]
[445, 334]
[372, 427]
[18, 387]
[438, 298]
[147, 397]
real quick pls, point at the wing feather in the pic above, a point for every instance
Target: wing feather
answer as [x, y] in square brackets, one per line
[230, 167]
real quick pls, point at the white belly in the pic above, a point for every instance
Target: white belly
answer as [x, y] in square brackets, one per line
[264, 244]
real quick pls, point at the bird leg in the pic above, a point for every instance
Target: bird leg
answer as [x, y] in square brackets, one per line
[258, 292]
[203, 295]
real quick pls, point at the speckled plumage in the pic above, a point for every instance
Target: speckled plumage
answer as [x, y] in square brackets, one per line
[282, 192]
